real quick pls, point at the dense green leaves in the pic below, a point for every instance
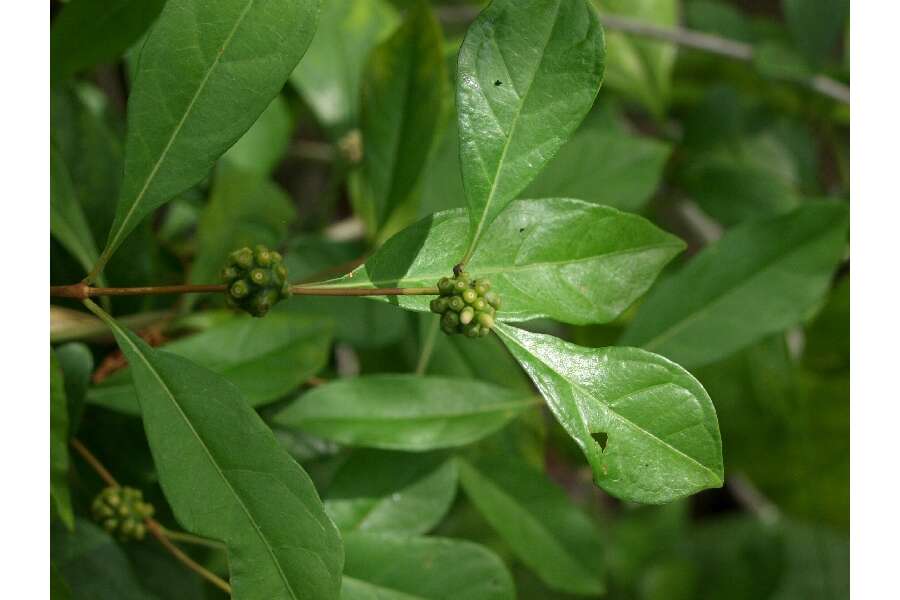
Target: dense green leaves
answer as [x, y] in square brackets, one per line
[816, 25]
[565, 259]
[403, 90]
[758, 279]
[539, 522]
[59, 445]
[328, 77]
[376, 490]
[67, 221]
[603, 164]
[244, 209]
[528, 73]
[397, 567]
[404, 412]
[88, 32]
[211, 449]
[646, 426]
[206, 72]
[264, 358]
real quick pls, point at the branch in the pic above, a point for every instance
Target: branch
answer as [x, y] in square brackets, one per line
[81, 291]
[679, 36]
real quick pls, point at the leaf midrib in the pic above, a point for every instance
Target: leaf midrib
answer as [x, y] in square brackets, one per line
[512, 131]
[209, 456]
[610, 411]
[115, 240]
[496, 270]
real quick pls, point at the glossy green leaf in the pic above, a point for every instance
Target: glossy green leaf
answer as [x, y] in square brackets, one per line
[328, 77]
[381, 491]
[404, 412]
[759, 278]
[67, 221]
[641, 69]
[208, 69]
[396, 567]
[264, 358]
[568, 260]
[59, 445]
[263, 146]
[603, 164]
[539, 522]
[88, 32]
[528, 73]
[817, 26]
[93, 565]
[646, 426]
[403, 90]
[244, 209]
[226, 478]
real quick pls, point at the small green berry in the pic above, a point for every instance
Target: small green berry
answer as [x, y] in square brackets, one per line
[450, 319]
[493, 299]
[243, 258]
[469, 296]
[485, 320]
[479, 304]
[121, 511]
[259, 276]
[485, 331]
[445, 286]
[239, 289]
[482, 286]
[263, 256]
[456, 303]
[466, 315]
[472, 330]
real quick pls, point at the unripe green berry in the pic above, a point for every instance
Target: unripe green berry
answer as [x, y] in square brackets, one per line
[259, 276]
[485, 331]
[439, 305]
[479, 304]
[239, 289]
[469, 296]
[121, 511]
[466, 315]
[263, 256]
[493, 299]
[485, 320]
[460, 285]
[456, 303]
[450, 319]
[472, 330]
[242, 258]
[445, 285]
[482, 286]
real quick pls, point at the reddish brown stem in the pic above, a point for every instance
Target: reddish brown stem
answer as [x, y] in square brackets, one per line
[82, 291]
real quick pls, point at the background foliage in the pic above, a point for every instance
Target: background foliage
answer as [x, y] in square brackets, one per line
[439, 468]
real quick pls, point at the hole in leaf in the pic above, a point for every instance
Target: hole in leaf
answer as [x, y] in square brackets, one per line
[498, 82]
[602, 438]
[521, 229]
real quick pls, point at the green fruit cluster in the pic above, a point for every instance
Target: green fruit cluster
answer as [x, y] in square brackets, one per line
[466, 306]
[256, 280]
[121, 511]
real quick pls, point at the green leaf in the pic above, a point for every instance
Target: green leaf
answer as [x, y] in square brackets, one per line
[264, 358]
[403, 90]
[646, 426]
[603, 164]
[539, 522]
[244, 209]
[328, 77]
[761, 277]
[226, 477]
[396, 567]
[67, 221]
[638, 68]
[404, 412]
[93, 565]
[88, 32]
[733, 190]
[77, 364]
[528, 73]
[827, 345]
[59, 445]
[563, 259]
[91, 150]
[59, 589]
[380, 491]
[455, 356]
[263, 146]
[207, 71]
[816, 25]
